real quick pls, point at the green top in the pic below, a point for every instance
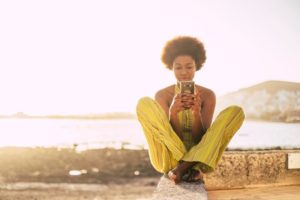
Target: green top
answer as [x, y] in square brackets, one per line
[186, 119]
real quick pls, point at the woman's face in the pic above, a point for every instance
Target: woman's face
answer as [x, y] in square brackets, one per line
[184, 68]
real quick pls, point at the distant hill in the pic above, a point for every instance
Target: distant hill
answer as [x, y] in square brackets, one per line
[112, 115]
[270, 100]
[273, 87]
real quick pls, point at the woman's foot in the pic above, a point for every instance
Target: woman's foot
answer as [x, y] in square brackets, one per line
[181, 169]
[174, 176]
[194, 176]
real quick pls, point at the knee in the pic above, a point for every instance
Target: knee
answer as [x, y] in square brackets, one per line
[237, 109]
[143, 103]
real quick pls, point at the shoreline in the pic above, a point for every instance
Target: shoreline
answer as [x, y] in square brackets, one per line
[136, 190]
[104, 166]
[124, 174]
[54, 165]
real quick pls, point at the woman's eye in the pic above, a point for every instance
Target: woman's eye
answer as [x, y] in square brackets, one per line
[190, 66]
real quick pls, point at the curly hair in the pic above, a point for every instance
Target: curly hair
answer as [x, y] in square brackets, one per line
[183, 45]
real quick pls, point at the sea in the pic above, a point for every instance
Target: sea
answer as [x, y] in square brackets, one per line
[127, 133]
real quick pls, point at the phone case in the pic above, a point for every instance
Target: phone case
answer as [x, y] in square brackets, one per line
[187, 87]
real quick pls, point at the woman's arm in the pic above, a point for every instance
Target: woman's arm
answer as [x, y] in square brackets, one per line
[203, 110]
[171, 110]
[208, 109]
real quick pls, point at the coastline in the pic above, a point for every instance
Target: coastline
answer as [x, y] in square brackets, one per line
[44, 173]
[109, 165]
[54, 165]
[64, 173]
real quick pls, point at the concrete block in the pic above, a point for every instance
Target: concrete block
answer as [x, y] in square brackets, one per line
[294, 161]
[167, 190]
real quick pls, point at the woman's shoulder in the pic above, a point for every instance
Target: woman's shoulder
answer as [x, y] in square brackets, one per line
[165, 92]
[206, 92]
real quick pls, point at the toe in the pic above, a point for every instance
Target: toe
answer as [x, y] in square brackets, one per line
[171, 175]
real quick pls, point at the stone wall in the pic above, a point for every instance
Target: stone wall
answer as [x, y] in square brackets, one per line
[241, 169]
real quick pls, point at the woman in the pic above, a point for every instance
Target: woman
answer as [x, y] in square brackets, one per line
[183, 142]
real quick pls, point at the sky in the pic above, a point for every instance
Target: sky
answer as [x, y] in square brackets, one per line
[84, 57]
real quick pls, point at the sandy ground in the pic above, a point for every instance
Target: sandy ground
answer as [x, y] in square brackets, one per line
[133, 191]
[45, 173]
[260, 193]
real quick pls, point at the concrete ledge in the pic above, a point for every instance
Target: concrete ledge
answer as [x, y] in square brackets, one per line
[244, 169]
[237, 169]
[167, 190]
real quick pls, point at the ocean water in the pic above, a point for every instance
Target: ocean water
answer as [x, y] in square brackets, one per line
[87, 134]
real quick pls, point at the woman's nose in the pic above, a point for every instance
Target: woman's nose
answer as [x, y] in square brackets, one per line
[184, 72]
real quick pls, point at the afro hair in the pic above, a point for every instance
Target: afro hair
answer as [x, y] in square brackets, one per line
[183, 45]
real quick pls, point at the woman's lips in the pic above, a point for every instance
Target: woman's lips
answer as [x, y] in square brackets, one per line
[185, 79]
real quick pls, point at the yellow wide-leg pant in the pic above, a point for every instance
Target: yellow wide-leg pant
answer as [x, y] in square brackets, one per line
[166, 149]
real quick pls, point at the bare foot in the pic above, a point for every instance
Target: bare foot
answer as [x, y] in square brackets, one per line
[195, 176]
[177, 173]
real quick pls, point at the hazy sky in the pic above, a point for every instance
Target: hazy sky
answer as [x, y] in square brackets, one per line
[91, 57]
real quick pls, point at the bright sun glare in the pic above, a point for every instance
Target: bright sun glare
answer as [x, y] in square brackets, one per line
[66, 57]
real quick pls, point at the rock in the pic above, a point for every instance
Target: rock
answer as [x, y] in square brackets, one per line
[167, 190]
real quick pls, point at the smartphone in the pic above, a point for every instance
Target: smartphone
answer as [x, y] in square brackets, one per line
[187, 87]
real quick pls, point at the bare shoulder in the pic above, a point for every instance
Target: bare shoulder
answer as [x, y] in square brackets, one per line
[164, 96]
[165, 93]
[206, 93]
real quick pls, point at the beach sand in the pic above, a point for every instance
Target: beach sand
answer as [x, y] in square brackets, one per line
[137, 189]
[56, 165]
[45, 173]
[97, 174]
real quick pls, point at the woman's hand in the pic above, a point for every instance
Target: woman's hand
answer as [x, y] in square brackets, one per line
[177, 105]
[182, 102]
[187, 100]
